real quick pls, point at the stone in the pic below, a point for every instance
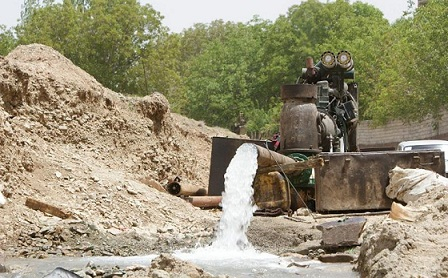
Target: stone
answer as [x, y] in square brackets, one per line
[336, 258]
[2, 200]
[305, 247]
[340, 233]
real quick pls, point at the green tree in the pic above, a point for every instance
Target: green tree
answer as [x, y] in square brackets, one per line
[7, 40]
[219, 78]
[117, 34]
[413, 82]
[120, 42]
[55, 25]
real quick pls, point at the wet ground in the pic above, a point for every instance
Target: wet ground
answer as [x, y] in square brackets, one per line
[266, 266]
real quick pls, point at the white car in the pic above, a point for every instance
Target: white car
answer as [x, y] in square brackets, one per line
[426, 145]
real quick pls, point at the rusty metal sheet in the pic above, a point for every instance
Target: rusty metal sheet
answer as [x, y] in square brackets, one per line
[357, 181]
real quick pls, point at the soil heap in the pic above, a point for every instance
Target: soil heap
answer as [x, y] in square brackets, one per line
[101, 157]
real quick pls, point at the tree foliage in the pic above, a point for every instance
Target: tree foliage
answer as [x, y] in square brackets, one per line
[120, 42]
[214, 71]
[7, 40]
[219, 79]
[412, 82]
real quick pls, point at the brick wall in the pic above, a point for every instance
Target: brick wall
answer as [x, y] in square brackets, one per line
[387, 137]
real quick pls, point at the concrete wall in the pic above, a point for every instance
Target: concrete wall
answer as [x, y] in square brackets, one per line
[387, 137]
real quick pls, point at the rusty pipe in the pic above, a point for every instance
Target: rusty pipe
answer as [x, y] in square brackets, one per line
[309, 62]
[176, 189]
[205, 201]
[267, 157]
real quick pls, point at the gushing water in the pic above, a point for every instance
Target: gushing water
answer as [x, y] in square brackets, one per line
[237, 210]
[237, 200]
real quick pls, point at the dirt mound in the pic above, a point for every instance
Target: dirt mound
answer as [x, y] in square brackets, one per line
[68, 142]
[417, 248]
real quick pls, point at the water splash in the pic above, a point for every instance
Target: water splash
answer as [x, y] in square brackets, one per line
[237, 200]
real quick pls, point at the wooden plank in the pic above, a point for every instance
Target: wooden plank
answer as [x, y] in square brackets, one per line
[46, 208]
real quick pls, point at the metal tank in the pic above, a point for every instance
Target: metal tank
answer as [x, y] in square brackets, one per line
[298, 119]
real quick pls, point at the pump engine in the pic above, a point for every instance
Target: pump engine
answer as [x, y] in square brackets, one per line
[337, 100]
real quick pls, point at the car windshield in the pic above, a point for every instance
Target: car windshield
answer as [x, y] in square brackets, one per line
[428, 147]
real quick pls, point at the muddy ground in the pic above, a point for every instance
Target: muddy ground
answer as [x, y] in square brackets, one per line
[103, 158]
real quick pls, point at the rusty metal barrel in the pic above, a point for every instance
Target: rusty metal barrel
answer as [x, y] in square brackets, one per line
[298, 119]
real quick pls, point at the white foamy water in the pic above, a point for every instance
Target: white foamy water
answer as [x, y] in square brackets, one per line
[237, 200]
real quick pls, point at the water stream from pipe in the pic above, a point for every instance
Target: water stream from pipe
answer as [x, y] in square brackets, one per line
[231, 248]
[237, 200]
[237, 207]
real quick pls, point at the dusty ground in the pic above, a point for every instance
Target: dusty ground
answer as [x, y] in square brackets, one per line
[103, 158]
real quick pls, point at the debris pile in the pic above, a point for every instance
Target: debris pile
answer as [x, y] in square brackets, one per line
[401, 245]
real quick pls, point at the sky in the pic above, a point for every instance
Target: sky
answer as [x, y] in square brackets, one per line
[182, 14]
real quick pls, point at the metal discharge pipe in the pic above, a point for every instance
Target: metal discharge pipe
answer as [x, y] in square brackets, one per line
[269, 158]
[298, 119]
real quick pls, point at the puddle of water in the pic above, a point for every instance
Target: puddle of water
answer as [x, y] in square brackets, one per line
[234, 264]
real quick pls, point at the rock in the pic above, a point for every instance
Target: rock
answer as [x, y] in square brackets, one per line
[158, 273]
[176, 268]
[60, 272]
[114, 231]
[58, 174]
[345, 232]
[305, 247]
[2, 200]
[336, 258]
